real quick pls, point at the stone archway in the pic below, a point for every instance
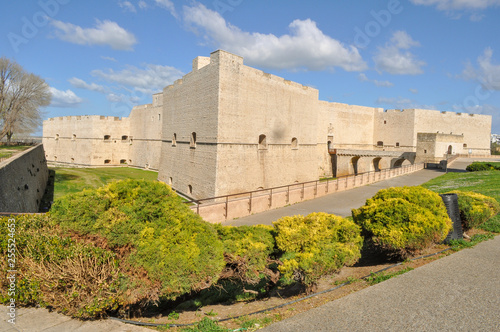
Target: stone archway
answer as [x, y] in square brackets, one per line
[376, 164]
[354, 165]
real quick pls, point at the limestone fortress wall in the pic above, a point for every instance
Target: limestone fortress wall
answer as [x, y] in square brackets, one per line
[227, 128]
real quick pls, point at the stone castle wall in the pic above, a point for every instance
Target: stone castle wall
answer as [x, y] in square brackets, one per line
[226, 128]
[23, 181]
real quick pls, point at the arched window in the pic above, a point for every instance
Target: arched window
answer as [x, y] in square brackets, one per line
[174, 140]
[170, 181]
[262, 142]
[465, 145]
[190, 189]
[192, 141]
[295, 144]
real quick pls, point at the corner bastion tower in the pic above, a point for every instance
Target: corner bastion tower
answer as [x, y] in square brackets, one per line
[226, 128]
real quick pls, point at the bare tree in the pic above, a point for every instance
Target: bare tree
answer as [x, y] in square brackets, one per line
[22, 95]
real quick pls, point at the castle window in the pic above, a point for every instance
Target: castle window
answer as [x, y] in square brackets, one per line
[262, 142]
[425, 151]
[174, 140]
[192, 141]
[159, 117]
[123, 161]
[380, 143]
[170, 181]
[397, 143]
[385, 122]
[55, 158]
[124, 137]
[57, 137]
[107, 161]
[74, 137]
[107, 137]
[465, 145]
[72, 160]
[295, 144]
[190, 189]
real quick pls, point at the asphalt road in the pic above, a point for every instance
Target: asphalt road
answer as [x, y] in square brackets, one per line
[460, 292]
[341, 203]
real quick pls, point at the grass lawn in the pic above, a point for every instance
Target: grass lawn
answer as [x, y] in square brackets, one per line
[71, 180]
[485, 182]
[7, 151]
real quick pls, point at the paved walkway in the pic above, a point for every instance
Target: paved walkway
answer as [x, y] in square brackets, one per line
[341, 203]
[460, 292]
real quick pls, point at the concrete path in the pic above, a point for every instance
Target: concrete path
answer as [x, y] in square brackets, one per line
[460, 292]
[341, 203]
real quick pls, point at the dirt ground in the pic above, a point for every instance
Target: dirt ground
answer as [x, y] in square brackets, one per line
[242, 312]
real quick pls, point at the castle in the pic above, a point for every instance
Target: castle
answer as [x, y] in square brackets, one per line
[227, 128]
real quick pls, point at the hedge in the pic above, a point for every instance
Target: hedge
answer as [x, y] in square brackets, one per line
[403, 220]
[176, 248]
[475, 208]
[316, 245]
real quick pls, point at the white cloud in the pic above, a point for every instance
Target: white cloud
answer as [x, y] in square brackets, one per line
[105, 33]
[395, 58]
[108, 58]
[363, 78]
[487, 73]
[414, 91]
[168, 5]
[127, 6]
[148, 80]
[79, 83]
[64, 98]
[457, 4]
[305, 47]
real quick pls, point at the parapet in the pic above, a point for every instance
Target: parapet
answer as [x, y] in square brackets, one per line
[200, 62]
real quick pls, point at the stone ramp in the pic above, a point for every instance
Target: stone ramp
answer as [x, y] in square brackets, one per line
[460, 292]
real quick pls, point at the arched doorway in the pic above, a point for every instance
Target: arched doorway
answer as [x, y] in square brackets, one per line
[354, 163]
[376, 164]
[450, 149]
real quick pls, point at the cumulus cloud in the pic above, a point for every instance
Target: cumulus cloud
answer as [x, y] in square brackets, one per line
[487, 73]
[64, 98]
[363, 78]
[148, 80]
[306, 46]
[127, 6]
[104, 33]
[81, 84]
[395, 57]
[457, 4]
[168, 5]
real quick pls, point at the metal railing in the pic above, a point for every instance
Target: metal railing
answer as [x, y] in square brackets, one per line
[351, 180]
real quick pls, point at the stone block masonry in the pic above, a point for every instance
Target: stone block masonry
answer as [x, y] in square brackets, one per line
[23, 179]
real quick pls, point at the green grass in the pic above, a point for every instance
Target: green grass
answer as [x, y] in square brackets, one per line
[376, 278]
[461, 244]
[485, 182]
[71, 180]
[16, 147]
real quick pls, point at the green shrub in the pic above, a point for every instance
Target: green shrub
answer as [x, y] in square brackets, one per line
[482, 166]
[475, 209]
[316, 245]
[80, 280]
[173, 245]
[403, 220]
[247, 251]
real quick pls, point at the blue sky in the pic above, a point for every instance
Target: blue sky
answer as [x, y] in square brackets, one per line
[104, 57]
